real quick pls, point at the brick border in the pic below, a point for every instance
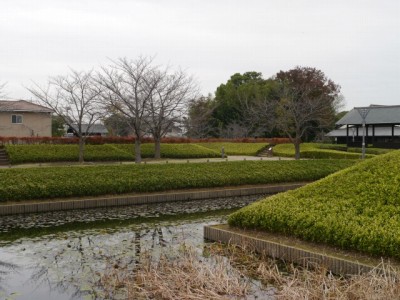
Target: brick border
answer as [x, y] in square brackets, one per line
[25, 208]
[287, 253]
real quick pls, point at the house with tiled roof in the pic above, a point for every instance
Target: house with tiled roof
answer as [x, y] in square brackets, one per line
[24, 119]
[380, 125]
[93, 130]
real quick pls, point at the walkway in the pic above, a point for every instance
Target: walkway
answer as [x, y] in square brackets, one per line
[151, 161]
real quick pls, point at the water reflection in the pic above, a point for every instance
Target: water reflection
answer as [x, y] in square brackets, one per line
[51, 220]
[66, 264]
[5, 269]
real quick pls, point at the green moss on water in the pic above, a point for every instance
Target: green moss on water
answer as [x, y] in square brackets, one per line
[109, 225]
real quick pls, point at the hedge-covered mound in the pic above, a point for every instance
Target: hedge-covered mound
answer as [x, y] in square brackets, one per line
[171, 150]
[343, 147]
[357, 208]
[61, 153]
[236, 148]
[317, 151]
[108, 152]
[55, 182]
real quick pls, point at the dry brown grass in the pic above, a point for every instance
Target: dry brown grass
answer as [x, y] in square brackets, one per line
[293, 282]
[182, 277]
[225, 276]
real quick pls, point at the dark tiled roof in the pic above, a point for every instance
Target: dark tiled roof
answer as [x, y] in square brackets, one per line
[377, 115]
[95, 128]
[379, 131]
[22, 106]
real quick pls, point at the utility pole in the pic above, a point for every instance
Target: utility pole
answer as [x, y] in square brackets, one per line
[363, 111]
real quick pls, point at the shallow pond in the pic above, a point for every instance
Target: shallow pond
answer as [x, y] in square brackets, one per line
[60, 255]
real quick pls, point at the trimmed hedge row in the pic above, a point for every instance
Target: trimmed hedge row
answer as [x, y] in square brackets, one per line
[342, 147]
[171, 150]
[108, 152]
[313, 150]
[375, 151]
[236, 148]
[62, 153]
[357, 208]
[55, 182]
[99, 140]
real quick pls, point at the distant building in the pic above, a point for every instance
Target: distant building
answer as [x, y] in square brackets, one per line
[94, 130]
[175, 131]
[382, 127]
[24, 119]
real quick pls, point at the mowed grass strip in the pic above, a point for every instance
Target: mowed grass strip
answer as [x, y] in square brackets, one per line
[357, 208]
[60, 182]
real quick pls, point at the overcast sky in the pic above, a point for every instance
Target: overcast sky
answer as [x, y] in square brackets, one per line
[355, 43]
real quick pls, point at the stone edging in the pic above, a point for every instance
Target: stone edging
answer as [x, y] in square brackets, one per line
[285, 252]
[27, 207]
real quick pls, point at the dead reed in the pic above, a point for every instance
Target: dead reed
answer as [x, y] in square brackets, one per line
[294, 282]
[185, 276]
[224, 272]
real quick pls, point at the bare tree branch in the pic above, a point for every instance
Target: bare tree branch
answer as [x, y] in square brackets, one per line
[129, 86]
[75, 98]
[199, 122]
[308, 102]
[2, 90]
[168, 104]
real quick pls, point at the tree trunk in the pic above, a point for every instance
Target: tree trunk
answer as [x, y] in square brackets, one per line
[81, 149]
[157, 148]
[297, 148]
[138, 154]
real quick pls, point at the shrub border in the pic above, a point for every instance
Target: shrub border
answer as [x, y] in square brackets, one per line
[123, 200]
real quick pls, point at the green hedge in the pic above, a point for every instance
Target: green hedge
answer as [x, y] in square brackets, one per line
[62, 153]
[342, 147]
[375, 151]
[108, 152]
[313, 150]
[338, 147]
[236, 148]
[357, 208]
[55, 182]
[172, 150]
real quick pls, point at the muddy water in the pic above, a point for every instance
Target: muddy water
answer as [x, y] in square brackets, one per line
[60, 255]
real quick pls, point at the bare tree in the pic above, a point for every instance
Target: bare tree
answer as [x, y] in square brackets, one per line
[168, 103]
[257, 114]
[75, 98]
[200, 122]
[308, 102]
[129, 87]
[2, 90]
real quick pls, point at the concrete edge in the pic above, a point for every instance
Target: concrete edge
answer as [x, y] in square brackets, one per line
[287, 253]
[46, 206]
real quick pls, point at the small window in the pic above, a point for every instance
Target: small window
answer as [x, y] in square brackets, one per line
[16, 119]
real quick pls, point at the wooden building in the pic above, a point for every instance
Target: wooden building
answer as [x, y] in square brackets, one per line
[382, 127]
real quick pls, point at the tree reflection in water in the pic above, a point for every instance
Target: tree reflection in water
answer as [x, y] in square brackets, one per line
[5, 269]
[68, 251]
[73, 264]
